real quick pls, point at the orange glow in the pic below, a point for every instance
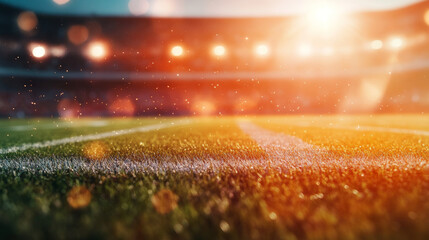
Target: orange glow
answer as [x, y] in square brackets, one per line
[97, 50]
[27, 21]
[164, 201]
[122, 107]
[324, 17]
[67, 108]
[426, 17]
[203, 108]
[305, 50]
[79, 197]
[177, 51]
[58, 51]
[262, 50]
[38, 51]
[138, 7]
[61, 2]
[78, 34]
[376, 44]
[219, 51]
[95, 150]
[396, 42]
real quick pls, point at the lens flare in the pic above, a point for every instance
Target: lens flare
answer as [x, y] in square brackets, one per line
[38, 51]
[97, 51]
[219, 51]
[177, 51]
[305, 50]
[323, 17]
[262, 50]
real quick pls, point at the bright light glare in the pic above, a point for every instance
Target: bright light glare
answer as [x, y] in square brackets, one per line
[262, 50]
[38, 51]
[396, 42]
[138, 7]
[219, 51]
[61, 2]
[305, 50]
[177, 51]
[324, 17]
[97, 50]
[376, 44]
[426, 17]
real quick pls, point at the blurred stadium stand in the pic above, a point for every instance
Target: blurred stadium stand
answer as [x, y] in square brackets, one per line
[369, 66]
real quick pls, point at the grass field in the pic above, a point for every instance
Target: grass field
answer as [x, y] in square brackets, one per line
[270, 177]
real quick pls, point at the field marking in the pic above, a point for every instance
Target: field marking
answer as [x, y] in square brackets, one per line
[89, 137]
[281, 146]
[367, 128]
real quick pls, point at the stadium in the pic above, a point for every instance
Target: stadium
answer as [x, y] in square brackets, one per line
[160, 119]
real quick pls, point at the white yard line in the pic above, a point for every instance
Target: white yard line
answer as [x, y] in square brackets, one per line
[291, 151]
[278, 145]
[89, 137]
[285, 154]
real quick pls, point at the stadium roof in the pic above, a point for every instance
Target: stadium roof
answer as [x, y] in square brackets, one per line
[197, 8]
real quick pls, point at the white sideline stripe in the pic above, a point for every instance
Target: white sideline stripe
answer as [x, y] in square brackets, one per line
[201, 166]
[281, 146]
[90, 137]
[368, 128]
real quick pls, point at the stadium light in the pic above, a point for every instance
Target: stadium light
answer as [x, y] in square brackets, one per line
[262, 50]
[97, 50]
[38, 51]
[376, 44]
[177, 51]
[323, 17]
[396, 42]
[219, 51]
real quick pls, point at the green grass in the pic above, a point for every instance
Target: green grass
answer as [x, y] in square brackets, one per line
[335, 201]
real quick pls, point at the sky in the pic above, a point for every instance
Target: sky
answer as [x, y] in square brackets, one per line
[199, 8]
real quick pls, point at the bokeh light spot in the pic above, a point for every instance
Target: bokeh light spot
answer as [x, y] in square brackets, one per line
[38, 51]
[61, 2]
[164, 201]
[95, 150]
[262, 50]
[27, 21]
[177, 51]
[97, 51]
[122, 107]
[376, 44]
[79, 197]
[77, 34]
[219, 50]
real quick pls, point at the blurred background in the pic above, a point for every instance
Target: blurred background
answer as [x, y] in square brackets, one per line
[74, 58]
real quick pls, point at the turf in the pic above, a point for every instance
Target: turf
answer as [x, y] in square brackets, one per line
[366, 185]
